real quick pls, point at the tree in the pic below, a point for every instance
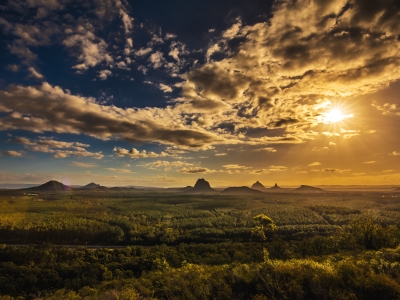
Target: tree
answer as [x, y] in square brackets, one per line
[262, 224]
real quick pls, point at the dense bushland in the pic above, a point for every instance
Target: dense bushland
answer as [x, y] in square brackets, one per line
[195, 272]
[198, 247]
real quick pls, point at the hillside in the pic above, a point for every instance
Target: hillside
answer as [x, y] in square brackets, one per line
[50, 186]
[258, 186]
[94, 186]
[308, 189]
[185, 189]
[241, 190]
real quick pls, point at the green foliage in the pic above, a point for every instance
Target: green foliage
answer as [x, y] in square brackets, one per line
[198, 247]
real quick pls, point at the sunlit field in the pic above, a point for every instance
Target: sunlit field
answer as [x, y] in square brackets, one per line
[89, 245]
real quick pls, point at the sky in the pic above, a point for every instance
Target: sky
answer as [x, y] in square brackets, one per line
[161, 93]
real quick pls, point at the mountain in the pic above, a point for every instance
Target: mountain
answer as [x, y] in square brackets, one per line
[93, 186]
[258, 186]
[241, 190]
[275, 187]
[201, 187]
[51, 186]
[308, 189]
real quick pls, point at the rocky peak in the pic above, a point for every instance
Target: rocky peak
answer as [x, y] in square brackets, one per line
[202, 184]
[257, 185]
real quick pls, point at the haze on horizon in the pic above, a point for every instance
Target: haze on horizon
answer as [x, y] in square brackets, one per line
[125, 93]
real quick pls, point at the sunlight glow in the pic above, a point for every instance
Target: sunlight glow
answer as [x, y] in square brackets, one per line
[335, 115]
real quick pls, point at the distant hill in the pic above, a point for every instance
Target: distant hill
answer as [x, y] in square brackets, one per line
[397, 190]
[258, 186]
[51, 186]
[275, 187]
[308, 189]
[185, 189]
[94, 186]
[201, 187]
[241, 190]
[122, 189]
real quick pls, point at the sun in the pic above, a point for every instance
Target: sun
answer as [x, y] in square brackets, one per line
[335, 115]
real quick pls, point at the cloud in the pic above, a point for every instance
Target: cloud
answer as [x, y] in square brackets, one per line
[234, 166]
[319, 148]
[177, 49]
[268, 170]
[119, 170]
[38, 109]
[83, 165]
[59, 149]
[387, 108]
[103, 74]
[166, 165]
[23, 52]
[143, 69]
[277, 168]
[92, 49]
[282, 73]
[143, 51]
[157, 59]
[49, 4]
[134, 153]
[315, 164]
[221, 154]
[349, 133]
[165, 88]
[13, 67]
[12, 153]
[170, 36]
[196, 170]
[269, 149]
[327, 133]
[35, 73]
[369, 162]
[333, 170]
[278, 75]
[122, 65]
[233, 31]
[395, 153]
[126, 19]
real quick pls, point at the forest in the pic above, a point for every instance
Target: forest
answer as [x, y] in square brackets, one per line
[153, 245]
